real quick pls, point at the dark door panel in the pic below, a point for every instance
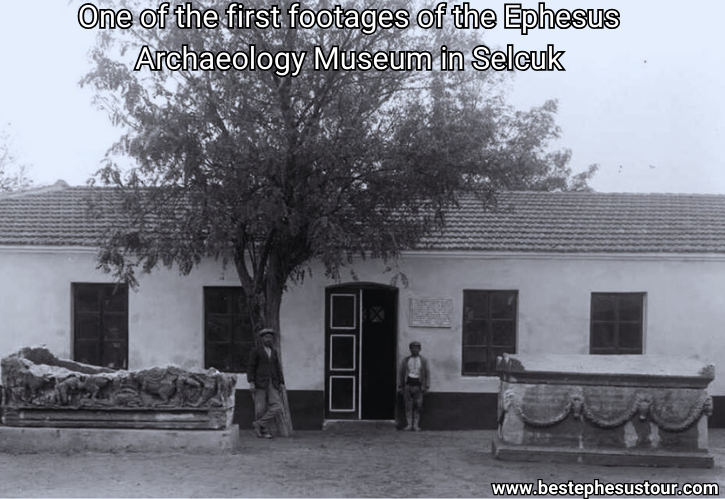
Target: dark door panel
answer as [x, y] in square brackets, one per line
[379, 354]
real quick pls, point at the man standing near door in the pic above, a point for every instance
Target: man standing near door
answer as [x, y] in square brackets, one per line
[413, 382]
[264, 374]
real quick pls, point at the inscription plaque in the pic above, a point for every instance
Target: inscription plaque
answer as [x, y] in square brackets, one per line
[431, 312]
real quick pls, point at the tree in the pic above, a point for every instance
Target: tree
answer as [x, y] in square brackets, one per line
[13, 177]
[269, 172]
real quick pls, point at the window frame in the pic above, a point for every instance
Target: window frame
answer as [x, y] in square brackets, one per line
[491, 350]
[617, 322]
[103, 315]
[241, 345]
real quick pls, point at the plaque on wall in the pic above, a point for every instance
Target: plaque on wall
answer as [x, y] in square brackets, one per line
[431, 312]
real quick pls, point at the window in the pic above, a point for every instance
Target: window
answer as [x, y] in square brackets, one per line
[489, 329]
[228, 335]
[100, 324]
[616, 326]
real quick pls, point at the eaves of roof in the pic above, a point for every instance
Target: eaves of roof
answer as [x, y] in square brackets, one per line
[521, 222]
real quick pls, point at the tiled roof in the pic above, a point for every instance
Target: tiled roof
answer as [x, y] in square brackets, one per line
[56, 216]
[523, 221]
[588, 222]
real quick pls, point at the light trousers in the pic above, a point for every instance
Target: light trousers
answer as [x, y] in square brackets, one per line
[267, 404]
[413, 397]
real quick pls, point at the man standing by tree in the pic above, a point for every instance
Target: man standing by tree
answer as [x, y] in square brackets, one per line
[264, 374]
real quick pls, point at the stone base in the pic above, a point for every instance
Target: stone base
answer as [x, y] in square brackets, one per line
[180, 418]
[602, 457]
[70, 440]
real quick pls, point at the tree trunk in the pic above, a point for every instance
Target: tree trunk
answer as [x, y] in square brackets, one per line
[272, 309]
[264, 308]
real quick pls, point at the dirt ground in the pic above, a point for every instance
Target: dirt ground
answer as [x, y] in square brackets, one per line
[368, 461]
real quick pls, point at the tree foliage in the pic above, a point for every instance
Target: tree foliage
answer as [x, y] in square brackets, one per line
[269, 172]
[13, 176]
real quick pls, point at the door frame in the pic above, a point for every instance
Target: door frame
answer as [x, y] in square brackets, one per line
[344, 332]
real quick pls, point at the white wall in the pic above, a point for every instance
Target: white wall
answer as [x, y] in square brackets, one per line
[684, 304]
[685, 307]
[165, 314]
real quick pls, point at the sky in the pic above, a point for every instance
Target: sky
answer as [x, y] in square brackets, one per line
[644, 101]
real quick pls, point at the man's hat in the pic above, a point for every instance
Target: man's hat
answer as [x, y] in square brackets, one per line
[414, 343]
[266, 331]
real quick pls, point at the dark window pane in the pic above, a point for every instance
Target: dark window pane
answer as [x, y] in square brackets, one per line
[114, 326]
[238, 302]
[475, 304]
[603, 335]
[504, 333]
[114, 354]
[343, 311]
[242, 329]
[475, 354]
[474, 333]
[116, 299]
[503, 305]
[216, 301]
[630, 336]
[475, 360]
[219, 357]
[87, 352]
[85, 299]
[604, 307]
[240, 356]
[218, 328]
[87, 326]
[630, 307]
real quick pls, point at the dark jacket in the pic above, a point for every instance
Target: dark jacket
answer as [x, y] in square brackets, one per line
[262, 369]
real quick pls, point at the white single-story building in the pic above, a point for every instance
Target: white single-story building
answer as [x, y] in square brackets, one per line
[580, 273]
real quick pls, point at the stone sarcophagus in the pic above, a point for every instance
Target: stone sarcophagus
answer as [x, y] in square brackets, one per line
[613, 410]
[40, 390]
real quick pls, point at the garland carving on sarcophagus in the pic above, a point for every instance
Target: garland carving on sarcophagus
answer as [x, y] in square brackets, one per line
[34, 378]
[670, 410]
[604, 409]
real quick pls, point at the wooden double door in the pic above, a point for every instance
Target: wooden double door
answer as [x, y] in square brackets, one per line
[361, 331]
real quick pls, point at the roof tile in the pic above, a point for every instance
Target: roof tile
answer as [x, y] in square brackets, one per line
[571, 222]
